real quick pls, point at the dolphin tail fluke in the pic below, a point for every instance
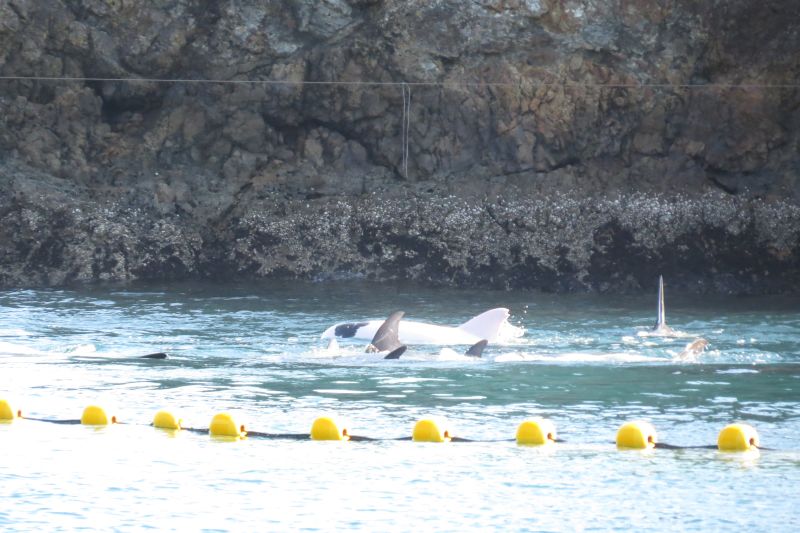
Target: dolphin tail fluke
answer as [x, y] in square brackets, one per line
[476, 350]
[396, 353]
[487, 324]
[386, 338]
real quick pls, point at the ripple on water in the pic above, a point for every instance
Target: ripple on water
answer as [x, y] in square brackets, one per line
[345, 391]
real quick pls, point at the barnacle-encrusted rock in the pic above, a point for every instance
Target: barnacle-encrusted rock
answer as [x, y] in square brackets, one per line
[555, 144]
[708, 243]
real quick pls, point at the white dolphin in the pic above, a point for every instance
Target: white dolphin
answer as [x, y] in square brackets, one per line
[491, 325]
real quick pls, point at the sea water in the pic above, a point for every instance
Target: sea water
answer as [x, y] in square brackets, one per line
[585, 362]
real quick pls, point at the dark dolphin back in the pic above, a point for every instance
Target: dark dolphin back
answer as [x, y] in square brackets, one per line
[477, 349]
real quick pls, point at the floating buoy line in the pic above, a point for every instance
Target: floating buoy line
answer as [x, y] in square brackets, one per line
[635, 435]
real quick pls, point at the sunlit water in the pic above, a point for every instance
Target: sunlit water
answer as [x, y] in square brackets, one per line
[255, 351]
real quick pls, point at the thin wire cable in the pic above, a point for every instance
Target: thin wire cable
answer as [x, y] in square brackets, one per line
[406, 89]
[408, 129]
[406, 126]
[415, 83]
[403, 129]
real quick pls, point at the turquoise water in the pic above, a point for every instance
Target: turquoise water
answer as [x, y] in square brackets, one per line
[254, 350]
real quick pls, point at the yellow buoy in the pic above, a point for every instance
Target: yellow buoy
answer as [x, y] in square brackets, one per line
[326, 428]
[737, 438]
[536, 431]
[637, 435]
[429, 430]
[95, 415]
[7, 413]
[223, 425]
[166, 420]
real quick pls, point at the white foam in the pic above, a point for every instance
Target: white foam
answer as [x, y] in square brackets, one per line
[14, 332]
[81, 349]
[9, 348]
[578, 357]
[673, 334]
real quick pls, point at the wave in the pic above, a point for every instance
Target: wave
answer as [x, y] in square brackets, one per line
[673, 334]
[352, 355]
[579, 357]
[10, 348]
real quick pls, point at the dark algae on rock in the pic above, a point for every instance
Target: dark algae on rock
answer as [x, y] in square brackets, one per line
[560, 145]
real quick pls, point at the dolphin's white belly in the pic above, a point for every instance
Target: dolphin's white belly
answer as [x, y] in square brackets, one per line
[422, 333]
[410, 332]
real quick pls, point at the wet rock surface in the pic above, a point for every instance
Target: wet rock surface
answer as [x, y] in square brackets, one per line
[56, 234]
[556, 145]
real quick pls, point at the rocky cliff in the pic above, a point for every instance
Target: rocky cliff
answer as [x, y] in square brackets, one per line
[550, 144]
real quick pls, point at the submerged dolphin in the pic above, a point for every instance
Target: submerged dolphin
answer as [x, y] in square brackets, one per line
[492, 326]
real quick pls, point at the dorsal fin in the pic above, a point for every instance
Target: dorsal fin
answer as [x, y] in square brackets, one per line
[661, 317]
[476, 350]
[487, 324]
[386, 338]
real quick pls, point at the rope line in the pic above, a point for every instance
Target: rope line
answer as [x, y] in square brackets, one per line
[364, 438]
[410, 84]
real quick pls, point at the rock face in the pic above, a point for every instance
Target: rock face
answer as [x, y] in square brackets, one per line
[551, 144]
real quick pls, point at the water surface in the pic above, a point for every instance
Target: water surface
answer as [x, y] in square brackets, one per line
[254, 350]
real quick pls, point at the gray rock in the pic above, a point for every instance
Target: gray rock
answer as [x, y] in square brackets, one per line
[545, 138]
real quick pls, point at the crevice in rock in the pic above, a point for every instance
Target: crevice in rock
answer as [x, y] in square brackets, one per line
[720, 185]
